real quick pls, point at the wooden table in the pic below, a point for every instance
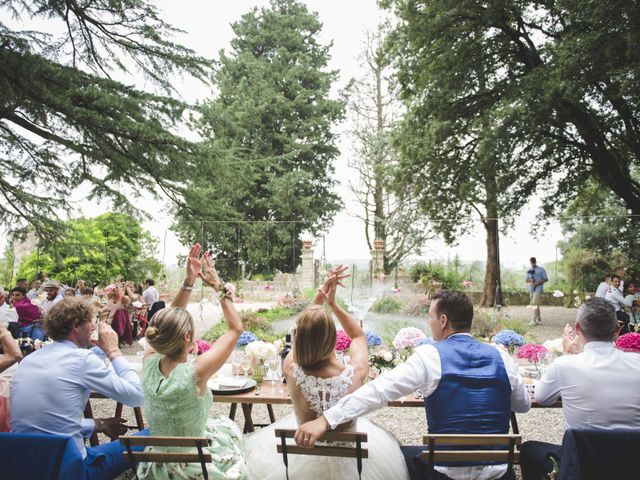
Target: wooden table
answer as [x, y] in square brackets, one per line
[277, 394]
[88, 413]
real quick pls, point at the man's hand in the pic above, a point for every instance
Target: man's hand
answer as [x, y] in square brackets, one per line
[111, 427]
[308, 433]
[107, 338]
[570, 342]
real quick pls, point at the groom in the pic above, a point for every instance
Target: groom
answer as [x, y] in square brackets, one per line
[469, 387]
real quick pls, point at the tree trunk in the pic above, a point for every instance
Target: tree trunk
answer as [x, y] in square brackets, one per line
[492, 293]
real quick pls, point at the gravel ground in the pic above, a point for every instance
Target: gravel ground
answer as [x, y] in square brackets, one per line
[408, 424]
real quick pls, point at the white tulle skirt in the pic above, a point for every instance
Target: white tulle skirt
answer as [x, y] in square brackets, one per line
[385, 458]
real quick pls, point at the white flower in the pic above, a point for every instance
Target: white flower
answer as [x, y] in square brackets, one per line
[554, 345]
[576, 292]
[558, 294]
[230, 287]
[260, 349]
[587, 297]
[387, 356]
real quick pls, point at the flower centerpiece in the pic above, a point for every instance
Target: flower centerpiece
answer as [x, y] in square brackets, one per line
[246, 338]
[259, 351]
[373, 340]
[554, 347]
[629, 342]
[509, 339]
[343, 341]
[407, 338]
[202, 345]
[381, 361]
[534, 353]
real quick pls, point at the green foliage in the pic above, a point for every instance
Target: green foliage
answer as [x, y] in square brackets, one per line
[270, 144]
[436, 272]
[97, 250]
[418, 306]
[257, 322]
[63, 120]
[534, 93]
[386, 305]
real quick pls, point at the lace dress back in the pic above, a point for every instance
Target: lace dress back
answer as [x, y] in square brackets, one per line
[323, 393]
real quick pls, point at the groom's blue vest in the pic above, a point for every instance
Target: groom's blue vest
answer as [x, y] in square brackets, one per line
[474, 393]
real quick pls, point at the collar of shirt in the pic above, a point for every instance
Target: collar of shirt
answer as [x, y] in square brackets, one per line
[599, 346]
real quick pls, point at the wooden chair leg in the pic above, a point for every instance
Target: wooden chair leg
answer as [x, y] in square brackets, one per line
[272, 417]
[118, 410]
[137, 411]
[514, 424]
[88, 413]
[248, 421]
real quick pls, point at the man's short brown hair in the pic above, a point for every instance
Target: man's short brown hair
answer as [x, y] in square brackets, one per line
[66, 314]
[456, 306]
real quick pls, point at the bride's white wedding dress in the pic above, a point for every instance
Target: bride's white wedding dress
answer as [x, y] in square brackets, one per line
[385, 459]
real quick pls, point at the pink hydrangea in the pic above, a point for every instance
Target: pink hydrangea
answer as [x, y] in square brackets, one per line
[533, 352]
[343, 341]
[203, 346]
[629, 342]
[408, 337]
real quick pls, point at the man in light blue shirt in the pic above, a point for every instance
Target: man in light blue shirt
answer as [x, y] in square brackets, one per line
[50, 388]
[536, 276]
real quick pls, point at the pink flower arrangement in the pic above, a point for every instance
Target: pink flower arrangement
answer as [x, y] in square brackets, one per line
[467, 284]
[533, 352]
[408, 338]
[343, 341]
[629, 342]
[203, 346]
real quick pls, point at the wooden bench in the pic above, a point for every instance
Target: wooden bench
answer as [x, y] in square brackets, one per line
[453, 454]
[357, 451]
[168, 456]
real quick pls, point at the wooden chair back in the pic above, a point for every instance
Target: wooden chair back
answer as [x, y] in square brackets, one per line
[356, 451]
[452, 454]
[167, 457]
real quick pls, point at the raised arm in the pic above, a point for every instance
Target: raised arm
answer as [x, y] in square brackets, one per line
[212, 360]
[194, 265]
[337, 271]
[358, 350]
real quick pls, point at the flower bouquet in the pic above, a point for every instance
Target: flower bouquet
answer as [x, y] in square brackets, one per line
[508, 339]
[246, 338]
[629, 342]
[373, 340]
[259, 351]
[202, 345]
[382, 361]
[343, 341]
[408, 338]
[534, 353]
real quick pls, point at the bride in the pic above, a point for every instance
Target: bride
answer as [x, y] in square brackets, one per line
[316, 380]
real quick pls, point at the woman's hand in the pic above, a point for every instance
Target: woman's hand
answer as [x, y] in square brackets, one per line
[209, 275]
[194, 263]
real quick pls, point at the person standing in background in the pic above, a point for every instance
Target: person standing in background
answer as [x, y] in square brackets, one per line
[536, 276]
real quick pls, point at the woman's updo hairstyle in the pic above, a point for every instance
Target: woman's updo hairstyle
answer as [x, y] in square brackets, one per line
[315, 337]
[167, 329]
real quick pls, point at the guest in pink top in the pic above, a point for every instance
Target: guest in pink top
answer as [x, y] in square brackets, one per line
[28, 314]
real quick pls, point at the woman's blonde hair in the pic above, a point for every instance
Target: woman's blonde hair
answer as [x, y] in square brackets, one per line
[167, 329]
[315, 337]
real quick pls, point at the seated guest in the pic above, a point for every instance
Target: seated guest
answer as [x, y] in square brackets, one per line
[11, 354]
[469, 387]
[632, 304]
[118, 318]
[7, 314]
[599, 387]
[51, 386]
[615, 297]
[69, 292]
[35, 289]
[54, 295]
[28, 315]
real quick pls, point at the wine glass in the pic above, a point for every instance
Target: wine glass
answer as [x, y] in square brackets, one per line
[235, 363]
[245, 364]
[271, 364]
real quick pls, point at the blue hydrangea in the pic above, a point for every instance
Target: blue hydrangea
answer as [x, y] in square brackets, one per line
[245, 338]
[425, 341]
[373, 339]
[508, 338]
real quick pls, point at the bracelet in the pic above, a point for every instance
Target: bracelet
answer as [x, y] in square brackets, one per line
[187, 288]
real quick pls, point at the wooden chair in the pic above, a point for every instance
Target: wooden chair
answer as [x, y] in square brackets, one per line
[168, 457]
[356, 451]
[454, 454]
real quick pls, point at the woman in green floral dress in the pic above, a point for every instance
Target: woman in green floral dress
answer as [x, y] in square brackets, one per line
[177, 400]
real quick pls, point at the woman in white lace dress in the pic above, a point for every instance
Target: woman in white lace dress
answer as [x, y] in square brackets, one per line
[316, 380]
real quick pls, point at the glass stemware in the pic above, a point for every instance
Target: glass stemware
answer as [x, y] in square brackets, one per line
[271, 364]
[245, 364]
[235, 363]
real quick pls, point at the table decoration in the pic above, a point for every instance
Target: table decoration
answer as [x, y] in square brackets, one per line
[629, 342]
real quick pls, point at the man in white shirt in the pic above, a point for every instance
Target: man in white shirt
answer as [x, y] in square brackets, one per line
[52, 288]
[600, 387]
[51, 386]
[150, 293]
[601, 291]
[7, 314]
[616, 298]
[469, 387]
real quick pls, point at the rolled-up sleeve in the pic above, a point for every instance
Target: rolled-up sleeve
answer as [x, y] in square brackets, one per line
[421, 371]
[121, 384]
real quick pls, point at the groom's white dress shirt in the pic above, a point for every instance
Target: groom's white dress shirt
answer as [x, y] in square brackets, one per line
[51, 386]
[600, 387]
[422, 371]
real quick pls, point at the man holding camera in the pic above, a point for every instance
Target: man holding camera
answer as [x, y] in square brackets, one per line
[536, 276]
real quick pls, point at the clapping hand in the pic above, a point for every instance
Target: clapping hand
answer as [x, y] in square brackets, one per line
[194, 263]
[570, 341]
[210, 275]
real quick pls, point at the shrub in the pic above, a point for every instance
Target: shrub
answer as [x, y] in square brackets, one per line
[418, 306]
[436, 273]
[386, 305]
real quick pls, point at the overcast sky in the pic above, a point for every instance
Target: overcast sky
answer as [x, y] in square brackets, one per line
[345, 23]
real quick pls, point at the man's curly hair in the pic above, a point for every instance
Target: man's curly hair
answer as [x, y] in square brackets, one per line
[65, 315]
